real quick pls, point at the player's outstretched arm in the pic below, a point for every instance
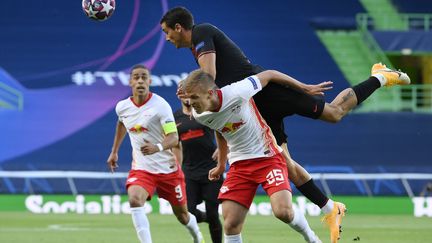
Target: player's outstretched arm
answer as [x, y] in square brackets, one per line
[118, 139]
[277, 77]
[215, 173]
[207, 63]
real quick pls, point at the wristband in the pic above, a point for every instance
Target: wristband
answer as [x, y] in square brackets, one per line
[160, 147]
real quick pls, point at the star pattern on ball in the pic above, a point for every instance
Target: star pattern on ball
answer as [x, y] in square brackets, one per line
[91, 13]
[106, 7]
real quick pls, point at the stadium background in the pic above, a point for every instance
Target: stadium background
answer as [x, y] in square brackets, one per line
[61, 75]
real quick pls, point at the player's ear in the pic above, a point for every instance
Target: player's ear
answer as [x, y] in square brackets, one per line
[150, 81]
[210, 92]
[177, 27]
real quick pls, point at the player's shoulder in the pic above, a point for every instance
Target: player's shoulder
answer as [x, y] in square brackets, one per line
[157, 98]
[228, 93]
[205, 28]
[123, 104]
[244, 86]
[159, 101]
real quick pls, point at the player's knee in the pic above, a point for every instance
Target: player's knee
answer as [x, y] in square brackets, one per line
[214, 222]
[213, 218]
[213, 215]
[335, 115]
[232, 227]
[284, 213]
[135, 201]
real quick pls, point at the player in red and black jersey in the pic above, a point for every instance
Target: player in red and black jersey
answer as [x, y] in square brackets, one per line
[196, 152]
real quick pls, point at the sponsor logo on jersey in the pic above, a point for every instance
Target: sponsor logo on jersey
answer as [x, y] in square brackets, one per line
[190, 134]
[138, 129]
[232, 126]
[224, 189]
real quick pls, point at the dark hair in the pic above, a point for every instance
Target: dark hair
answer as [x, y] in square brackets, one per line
[139, 66]
[180, 15]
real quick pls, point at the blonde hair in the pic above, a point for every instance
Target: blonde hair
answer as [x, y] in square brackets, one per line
[200, 79]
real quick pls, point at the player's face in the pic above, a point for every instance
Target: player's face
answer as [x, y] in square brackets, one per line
[199, 99]
[140, 81]
[173, 35]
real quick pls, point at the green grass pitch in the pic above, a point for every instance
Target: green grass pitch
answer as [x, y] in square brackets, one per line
[22, 227]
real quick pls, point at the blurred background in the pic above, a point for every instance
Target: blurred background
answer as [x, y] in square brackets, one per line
[61, 75]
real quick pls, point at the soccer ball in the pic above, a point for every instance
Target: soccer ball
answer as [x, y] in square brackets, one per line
[98, 9]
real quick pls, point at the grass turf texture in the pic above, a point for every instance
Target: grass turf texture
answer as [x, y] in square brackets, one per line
[23, 227]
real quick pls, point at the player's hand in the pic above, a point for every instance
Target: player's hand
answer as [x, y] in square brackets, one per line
[318, 89]
[180, 91]
[149, 148]
[215, 155]
[215, 173]
[112, 162]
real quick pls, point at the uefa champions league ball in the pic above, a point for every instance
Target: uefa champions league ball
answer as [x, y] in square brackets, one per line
[98, 9]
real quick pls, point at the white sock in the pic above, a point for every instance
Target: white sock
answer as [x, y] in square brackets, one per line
[193, 228]
[233, 238]
[328, 207]
[141, 224]
[300, 225]
[380, 77]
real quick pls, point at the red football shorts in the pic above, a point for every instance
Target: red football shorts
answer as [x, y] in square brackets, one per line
[244, 177]
[168, 186]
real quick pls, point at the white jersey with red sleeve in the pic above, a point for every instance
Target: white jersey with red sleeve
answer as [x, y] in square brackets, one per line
[145, 123]
[247, 134]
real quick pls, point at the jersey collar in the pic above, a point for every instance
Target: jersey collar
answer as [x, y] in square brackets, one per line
[219, 94]
[145, 101]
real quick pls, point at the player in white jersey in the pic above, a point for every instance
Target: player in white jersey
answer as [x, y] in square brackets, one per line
[254, 156]
[149, 121]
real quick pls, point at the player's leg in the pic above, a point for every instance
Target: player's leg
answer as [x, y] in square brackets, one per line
[194, 192]
[352, 97]
[297, 174]
[334, 211]
[276, 184]
[237, 193]
[234, 215]
[310, 107]
[172, 188]
[283, 210]
[138, 186]
[210, 192]
[188, 220]
[303, 181]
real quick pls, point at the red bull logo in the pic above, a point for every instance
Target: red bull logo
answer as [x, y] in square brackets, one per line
[138, 129]
[232, 126]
